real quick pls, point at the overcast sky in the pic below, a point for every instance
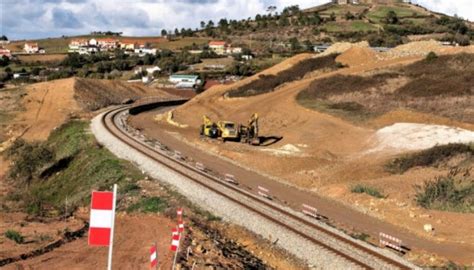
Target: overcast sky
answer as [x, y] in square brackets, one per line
[22, 19]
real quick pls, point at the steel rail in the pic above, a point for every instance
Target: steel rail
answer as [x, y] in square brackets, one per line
[109, 123]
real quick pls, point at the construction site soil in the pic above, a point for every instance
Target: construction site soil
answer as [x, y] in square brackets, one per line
[328, 155]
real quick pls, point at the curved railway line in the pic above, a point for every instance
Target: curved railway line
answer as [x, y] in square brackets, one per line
[359, 255]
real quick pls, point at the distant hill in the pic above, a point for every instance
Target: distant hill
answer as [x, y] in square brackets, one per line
[381, 22]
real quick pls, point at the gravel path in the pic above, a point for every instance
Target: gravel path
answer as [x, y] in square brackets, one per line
[316, 257]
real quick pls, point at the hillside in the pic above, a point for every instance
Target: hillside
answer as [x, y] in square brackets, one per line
[380, 24]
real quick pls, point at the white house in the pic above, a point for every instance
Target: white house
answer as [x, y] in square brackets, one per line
[233, 50]
[107, 43]
[93, 42]
[144, 51]
[184, 81]
[76, 44]
[152, 70]
[31, 47]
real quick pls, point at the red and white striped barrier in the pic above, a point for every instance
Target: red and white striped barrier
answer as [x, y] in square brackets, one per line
[200, 166]
[174, 240]
[153, 257]
[101, 218]
[310, 211]
[264, 192]
[390, 241]
[229, 178]
[181, 226]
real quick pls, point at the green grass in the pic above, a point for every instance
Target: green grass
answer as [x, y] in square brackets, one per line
[89, 167]
[453, 192]
[367, 190]
[379, 13]
[14, 236]
[362, 26]
[149, 205]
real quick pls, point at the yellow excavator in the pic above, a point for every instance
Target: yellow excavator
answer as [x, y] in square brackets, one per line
[229, 131]
[249, 133]
[209, 128]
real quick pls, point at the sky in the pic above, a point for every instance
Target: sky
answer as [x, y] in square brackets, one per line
[30, 19]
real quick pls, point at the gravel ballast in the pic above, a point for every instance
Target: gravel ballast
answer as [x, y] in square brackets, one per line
[315, 256]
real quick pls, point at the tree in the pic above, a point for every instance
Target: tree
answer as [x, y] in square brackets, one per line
[391, 17]
[176, 32]
[203, 24]
[295, 44]
[164, 33]
[223, 23]
[210, 24]
[4, 38]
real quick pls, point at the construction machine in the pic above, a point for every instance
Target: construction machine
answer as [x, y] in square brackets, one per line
[249, 133]
[228, 131]
[209, 128]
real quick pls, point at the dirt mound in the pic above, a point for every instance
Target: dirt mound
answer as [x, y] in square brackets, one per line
[341, 47]
[417, 48]
[357, 56]
[47, 105]
[95, 94]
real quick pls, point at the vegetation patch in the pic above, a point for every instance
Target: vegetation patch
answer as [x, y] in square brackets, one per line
[268, 83]
[88, 167]
[429, 157]
[359, 188]
[432, 85]
[453, 192]
[15, 236]
[149, 205]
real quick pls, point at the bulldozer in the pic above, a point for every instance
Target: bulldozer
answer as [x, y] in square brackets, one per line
[249, 133]
[209, 128]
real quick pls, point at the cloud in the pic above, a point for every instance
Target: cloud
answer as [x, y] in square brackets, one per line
[63, 18]
[47, 18]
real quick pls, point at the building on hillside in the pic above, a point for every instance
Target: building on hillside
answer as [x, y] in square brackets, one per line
[185, 81]
[5, 52]
[107, 43]
[219, 47]
[93, 42]
[233, 50]
[144, 51]
[321, 48]
[76, 44]
[31, 47]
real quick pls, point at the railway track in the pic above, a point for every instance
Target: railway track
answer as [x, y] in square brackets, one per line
[357, 255]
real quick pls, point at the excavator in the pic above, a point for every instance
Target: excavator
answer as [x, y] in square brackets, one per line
[249, 133]
[229, 131]
[209, 128]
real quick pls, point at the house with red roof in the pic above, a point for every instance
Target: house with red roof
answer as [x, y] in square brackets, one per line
[219, 47]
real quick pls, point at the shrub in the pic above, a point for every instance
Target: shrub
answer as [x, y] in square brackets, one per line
[14, 236]
[453, 192]
[367, 190]
[428, 157]
[431, 56]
